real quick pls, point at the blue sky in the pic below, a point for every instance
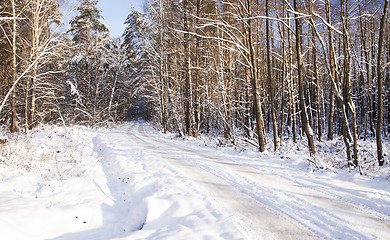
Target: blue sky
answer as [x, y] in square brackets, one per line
[115, 13]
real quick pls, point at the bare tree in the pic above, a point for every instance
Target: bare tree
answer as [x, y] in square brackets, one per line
[43, 16]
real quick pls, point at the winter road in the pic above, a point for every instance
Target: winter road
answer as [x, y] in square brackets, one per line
[266, 204]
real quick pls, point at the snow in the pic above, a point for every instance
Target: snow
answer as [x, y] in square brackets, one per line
[73, 89]
[132, 182]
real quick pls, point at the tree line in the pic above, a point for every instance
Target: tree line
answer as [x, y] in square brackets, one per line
[51, 74]
[263, 71]
[266, 70]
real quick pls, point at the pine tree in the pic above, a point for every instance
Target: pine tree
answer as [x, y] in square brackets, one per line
[134, 43]
[86, 28]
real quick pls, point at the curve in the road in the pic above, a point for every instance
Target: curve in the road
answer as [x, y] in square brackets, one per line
[330, 206]
[254, 219]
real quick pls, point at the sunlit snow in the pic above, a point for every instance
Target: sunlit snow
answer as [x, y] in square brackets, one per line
[132, 182]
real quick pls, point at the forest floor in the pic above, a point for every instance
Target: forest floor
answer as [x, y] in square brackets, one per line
[132, 182]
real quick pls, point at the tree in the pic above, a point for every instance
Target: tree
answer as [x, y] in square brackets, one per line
[43, 15]
[86, 28]
[31, 40]
[348, 103]
[220, 66]
[332, 66]
[271, 81]
[254, 81]
[304, 118]
[14, 69]
[139, 53]
[380, 84]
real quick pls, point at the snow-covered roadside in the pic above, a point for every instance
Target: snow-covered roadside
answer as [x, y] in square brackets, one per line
[51, 183]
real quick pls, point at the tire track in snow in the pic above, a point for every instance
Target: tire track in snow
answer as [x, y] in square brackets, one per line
[330, 205]
[382, 216]
[256, 220]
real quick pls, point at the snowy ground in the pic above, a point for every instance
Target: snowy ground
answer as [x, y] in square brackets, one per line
[131, 182]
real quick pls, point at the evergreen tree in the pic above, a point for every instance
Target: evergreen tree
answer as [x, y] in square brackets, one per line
[141, 57]
[87, 29]
[134, 43]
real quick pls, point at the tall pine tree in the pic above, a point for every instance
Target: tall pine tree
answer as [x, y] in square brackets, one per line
[86, 29]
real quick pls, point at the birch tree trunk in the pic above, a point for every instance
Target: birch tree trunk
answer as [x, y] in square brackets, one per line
[37, 7]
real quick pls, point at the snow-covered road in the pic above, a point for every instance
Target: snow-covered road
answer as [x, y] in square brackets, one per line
[254, 219]
[268, 205]
[132, 182]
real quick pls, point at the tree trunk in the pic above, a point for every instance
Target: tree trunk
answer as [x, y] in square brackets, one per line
[291, 118]
[162, 99]
[305, 122]
[332, 63]
[256, 98]
[284, 71]
[316, 79]
[86, 82]
[365, 50]
[197, 76]
[387, 80]
[37, 17]
[33, 97]
[14, 70]
[113, 88]
[380, 85]
[247, 107]
[187, 74]
[27, 104]
[347, 97]
[271, 80]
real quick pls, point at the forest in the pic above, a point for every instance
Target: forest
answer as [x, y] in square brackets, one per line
[264, 72]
